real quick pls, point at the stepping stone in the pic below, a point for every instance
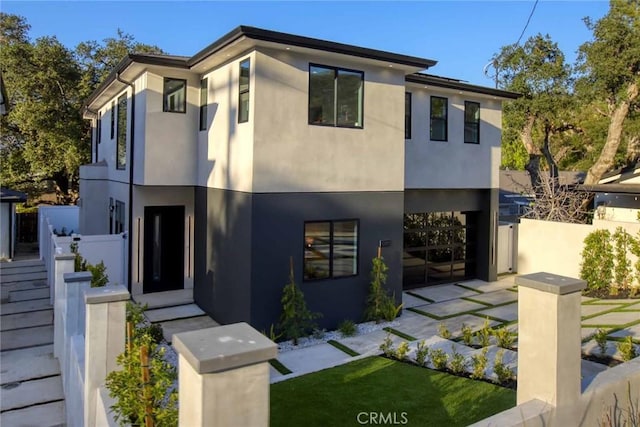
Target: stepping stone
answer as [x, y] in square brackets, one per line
[451, 308]
[482, 286]
[497, 297]
[444, 292]
[28, 337]
[313, 358]
[507, 313]
[184, 325]
[26, 306]
[29, 366]
[634, 331]
[29, 393]
[591, 309]
[171, 313]
[589, 370]
[615, 318]
[419, 326]
[46, 415]
[368, 344]
[591, 347]
[26, 295]
[165, 299]
[409, 301]
[26, 320]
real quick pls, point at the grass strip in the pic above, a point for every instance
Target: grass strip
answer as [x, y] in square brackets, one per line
[413, 294]
[278, 366]
[424, 313]
[616, 327]
[470, 299]
[343, 348]
[400, 334]
[469, 288]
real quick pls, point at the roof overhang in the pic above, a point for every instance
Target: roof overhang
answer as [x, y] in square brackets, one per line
[633, 189]
[12, 196]
[420, 80]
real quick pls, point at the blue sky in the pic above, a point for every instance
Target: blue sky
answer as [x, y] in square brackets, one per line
[461, 35]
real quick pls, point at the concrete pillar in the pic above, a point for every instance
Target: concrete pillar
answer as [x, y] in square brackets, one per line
[74, 285]
[549, 338]
[104, 340]
[224, 376]
[63, 264]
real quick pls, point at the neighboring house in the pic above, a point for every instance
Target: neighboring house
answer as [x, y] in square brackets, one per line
[617, 195]
[8, 230]
[265, 146]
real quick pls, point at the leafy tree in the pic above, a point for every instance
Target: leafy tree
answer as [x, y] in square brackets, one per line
[296, 320]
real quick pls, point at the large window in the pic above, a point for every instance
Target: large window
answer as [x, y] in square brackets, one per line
[330, 249]
[174, 95]
[121, 149]
[471, 122]
[243, 97]
[407, 115]
[335, 96]
[204, 100]
[439, 109]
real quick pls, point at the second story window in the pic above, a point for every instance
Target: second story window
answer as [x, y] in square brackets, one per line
[439, 109]
[113, 118]
[174, 95]
[407, 115]
[335, 96]
[121, 145]
[99, 128]
[471, 122]
[243, 97]
[204, 100]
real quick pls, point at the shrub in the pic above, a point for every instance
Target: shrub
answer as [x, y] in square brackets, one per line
[272, 335]
[502, 371]
[467, 334]
[387, 346]
[296, 319]
[347, 328]
[622, 271]
[98, 272]
[484, 335]
[627, 349]
[504, 337]
[422, 353]
[443, 331]
[597, 260]
[457, 364]
[479, 364]
[601, 339]
[439, 358]
[380, 306]
[402, 350]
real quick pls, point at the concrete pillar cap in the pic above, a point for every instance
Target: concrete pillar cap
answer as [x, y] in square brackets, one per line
[551, 283]
[112, 293]
[80, 276]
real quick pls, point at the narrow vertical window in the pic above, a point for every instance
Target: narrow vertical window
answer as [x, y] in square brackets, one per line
[99, 129]
[121, 149]
[174, 95]
[439, 107]
[407, 115]
[157, 247]
[243, 97]
[204, 101]
[119, 217]
[471, 122]
[113, 118]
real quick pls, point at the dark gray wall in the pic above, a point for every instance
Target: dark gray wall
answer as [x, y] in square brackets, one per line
[483, 200]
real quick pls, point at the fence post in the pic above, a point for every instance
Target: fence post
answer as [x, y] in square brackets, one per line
[224, 376]
[104, 340]
[63, 264]
[549, 338]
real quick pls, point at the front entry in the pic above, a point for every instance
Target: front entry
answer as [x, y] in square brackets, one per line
[163, 248]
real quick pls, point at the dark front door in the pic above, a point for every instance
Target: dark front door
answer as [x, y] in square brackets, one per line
[163, 248]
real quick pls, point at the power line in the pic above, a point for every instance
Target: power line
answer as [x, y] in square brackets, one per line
[527, 24]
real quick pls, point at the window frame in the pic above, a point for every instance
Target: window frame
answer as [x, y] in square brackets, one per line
[113, 119]
[243, 91]
[336, 71]
[444, 120]
[165, 103]
[99, 128]
[476, 124]
[408, 118]
[121, 139]
[119, 217]
[331, 249]
[204, 103]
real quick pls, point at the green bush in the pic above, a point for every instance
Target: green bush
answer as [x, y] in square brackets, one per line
[457, 364]
[504, 337]
[601, 339]
[479, 364]
[443, 331]
[502, 371]
[627, 349]
[467, 334]
[402, 350]
[597, 260]
[484, 335]
[380, 306]
[387, 346]
[422, 353]
[347, 328]
[439, 358]
[622, 273]
[272, 334]
[99, 276]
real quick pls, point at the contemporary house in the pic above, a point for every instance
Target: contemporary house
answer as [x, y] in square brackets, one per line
[617, 195]
[266, 146]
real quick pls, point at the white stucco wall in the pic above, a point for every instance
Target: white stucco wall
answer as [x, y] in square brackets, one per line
[452, 163]
[94, 200]
[225, 150]
[290, 155]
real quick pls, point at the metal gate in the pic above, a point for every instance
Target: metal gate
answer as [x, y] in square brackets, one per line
[27, 226]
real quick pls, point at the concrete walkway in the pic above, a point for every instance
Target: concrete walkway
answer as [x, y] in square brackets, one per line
[470, 304]
[30, 383]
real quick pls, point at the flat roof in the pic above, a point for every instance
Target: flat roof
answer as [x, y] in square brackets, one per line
[449, 83]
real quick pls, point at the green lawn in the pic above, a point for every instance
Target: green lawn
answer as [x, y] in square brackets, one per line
[335, 397]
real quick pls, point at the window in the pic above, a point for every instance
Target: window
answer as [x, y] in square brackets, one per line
[174, 95]
[243, 97]
[111, 209]
[335, 96]
[407, 115]
[119, 220]
[439, 118]
[471, 122]
[204, 100]
[113, 118]
[99, 128]
[121, 149]
[330, 249]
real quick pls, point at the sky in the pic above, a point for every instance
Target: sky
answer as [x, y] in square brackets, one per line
[461, 35]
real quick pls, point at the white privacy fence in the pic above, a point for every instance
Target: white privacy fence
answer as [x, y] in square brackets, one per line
[507, 247]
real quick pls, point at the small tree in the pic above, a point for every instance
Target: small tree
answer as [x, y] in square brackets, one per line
[597, 260]
[380, 306]
[98, 272]
[622, 271]
[296, 319]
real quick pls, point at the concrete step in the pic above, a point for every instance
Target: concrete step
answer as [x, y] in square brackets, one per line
[173, 313]
[6, 289]
[22, 277]
[28, 364]
[28, 393]
[6, 272]
[165, 299]
[26, 320]
[29, 294]
[172, 327]
[26, 306]
[28, 337]
[46, 415]
[21, 264]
